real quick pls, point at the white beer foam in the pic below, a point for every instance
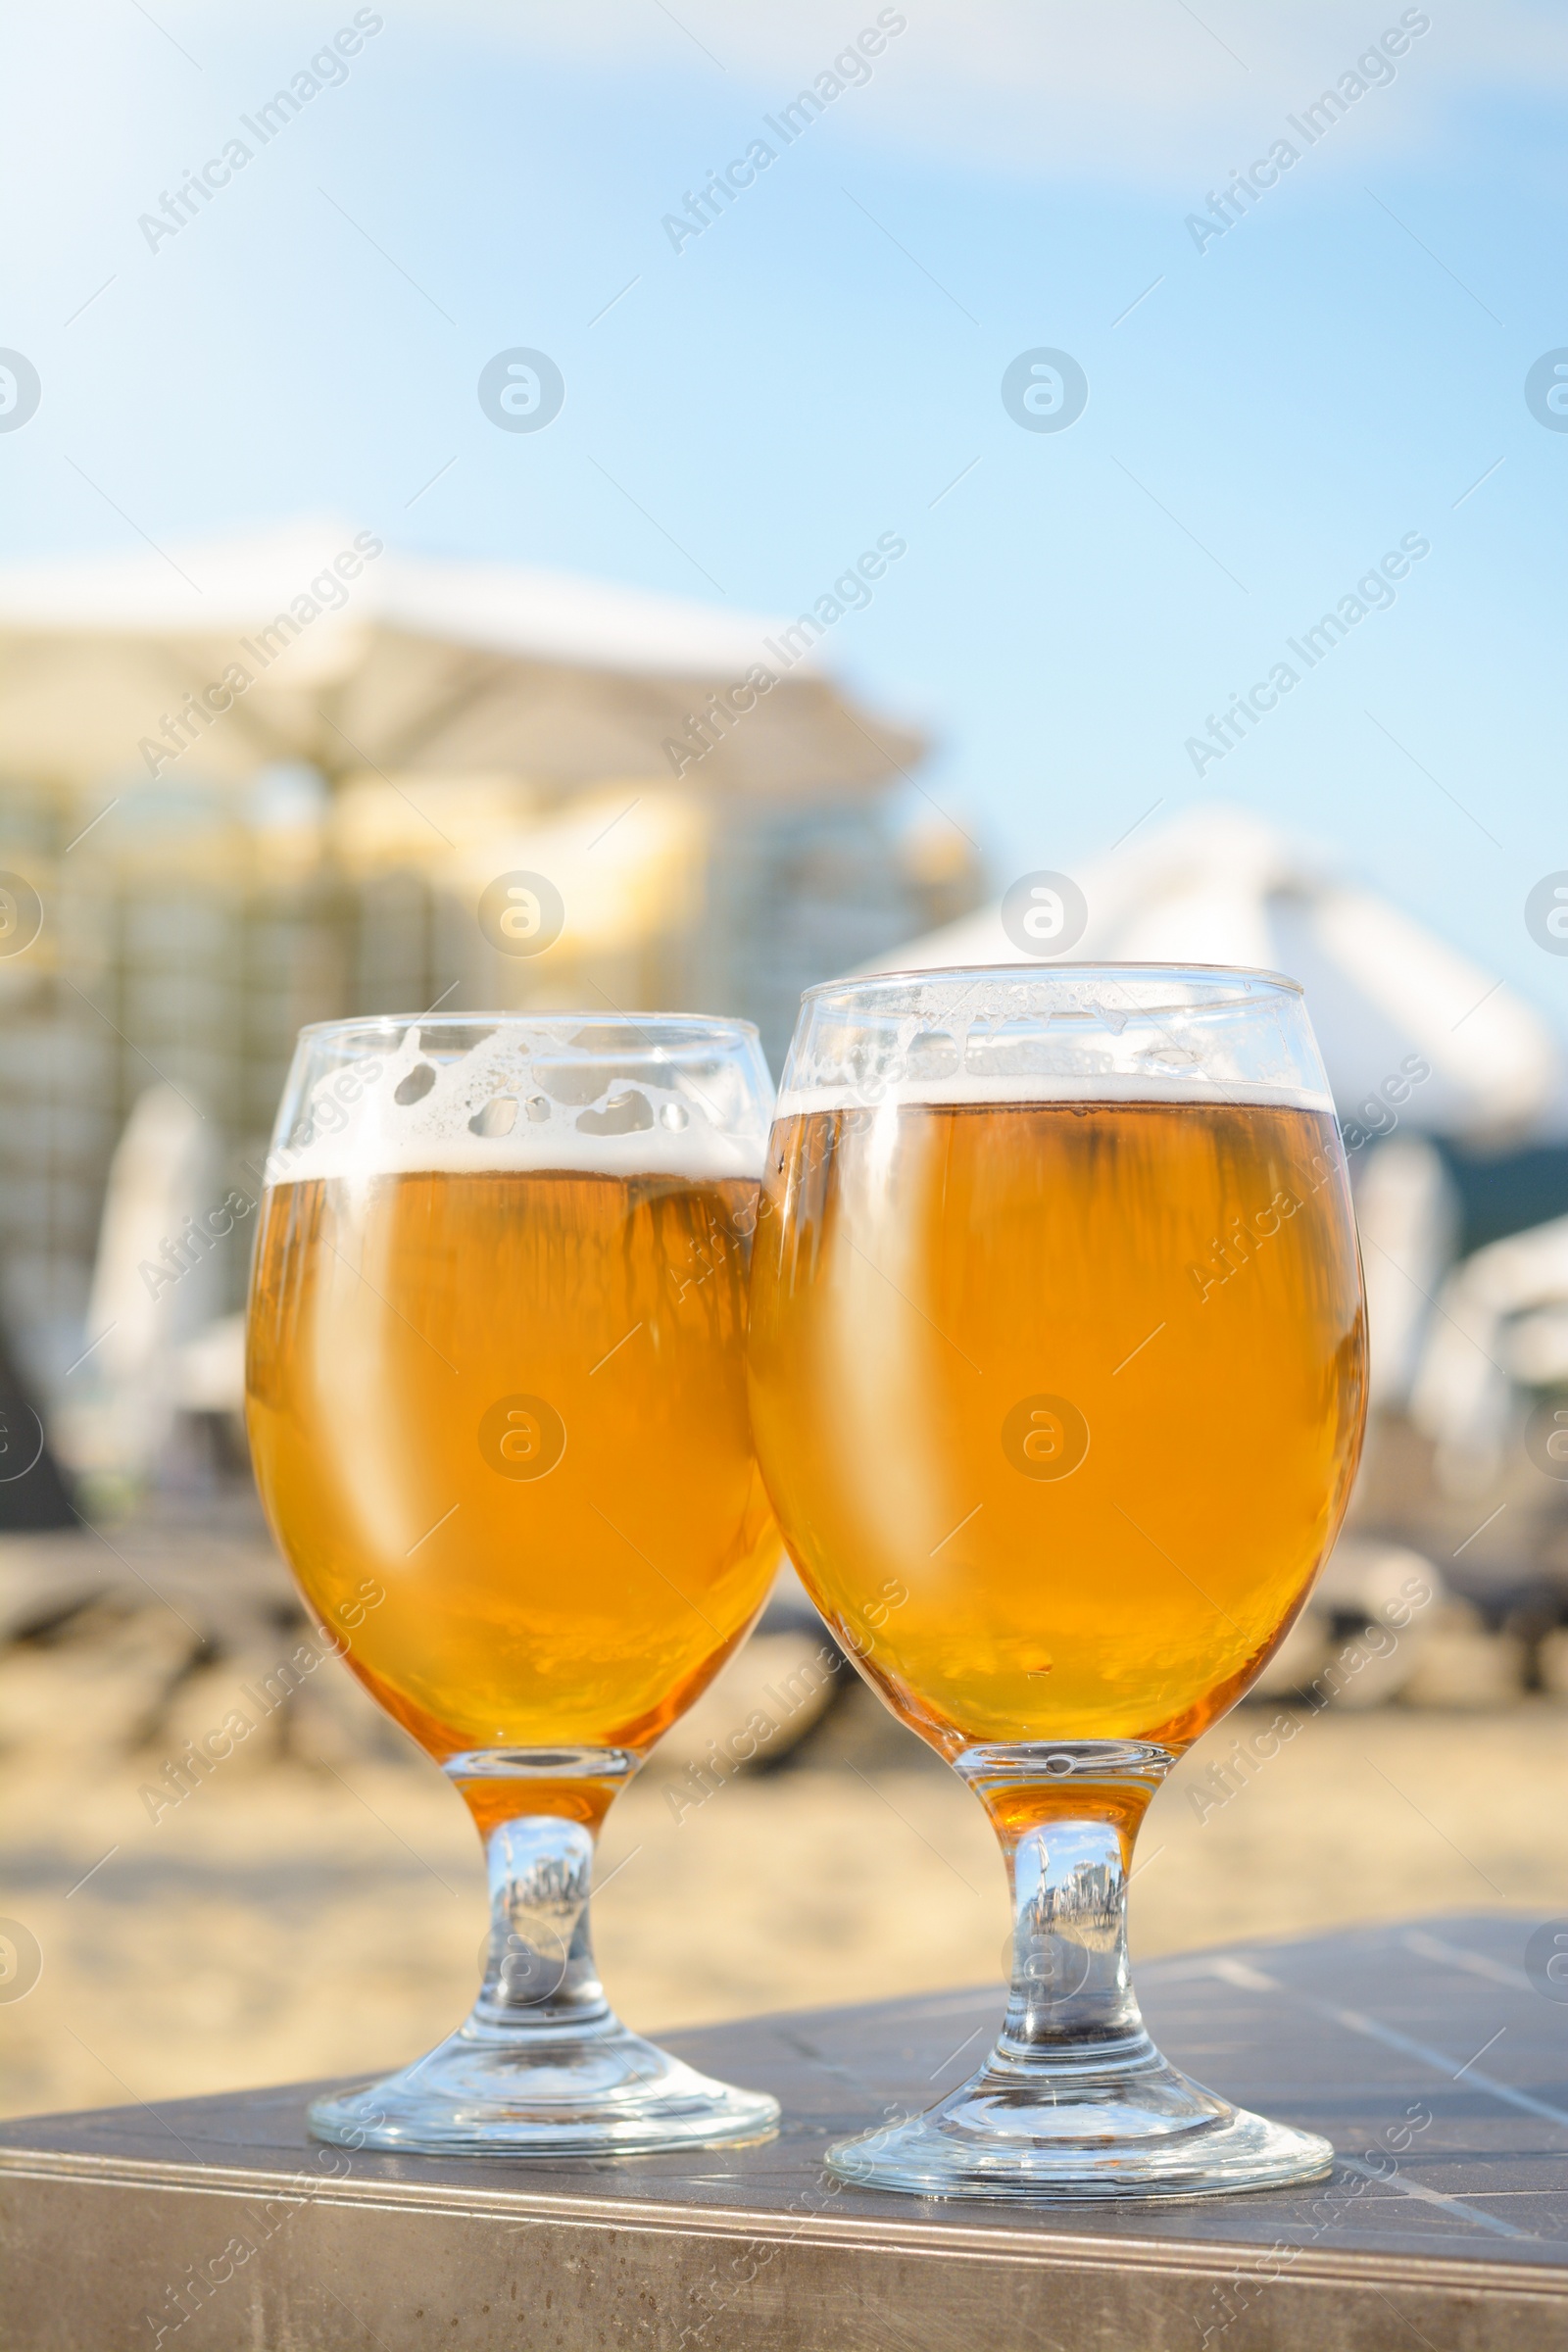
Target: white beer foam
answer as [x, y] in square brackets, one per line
[699, 1126]
[1073, 1034]
[975, 1092]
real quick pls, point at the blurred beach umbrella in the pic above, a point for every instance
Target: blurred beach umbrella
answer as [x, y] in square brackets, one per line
[1218, 886]
[317, 643]
[1501, 1325]
[156, 1286]
[1407, 1215]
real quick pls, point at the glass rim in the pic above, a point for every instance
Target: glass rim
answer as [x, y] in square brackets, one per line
[1005, 972]
[692, 1024]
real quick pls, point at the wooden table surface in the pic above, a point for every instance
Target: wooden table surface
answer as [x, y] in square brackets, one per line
[1434, 2057]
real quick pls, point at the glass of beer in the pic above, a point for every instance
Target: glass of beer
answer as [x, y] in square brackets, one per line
[1058, 1377]
[497, 1405]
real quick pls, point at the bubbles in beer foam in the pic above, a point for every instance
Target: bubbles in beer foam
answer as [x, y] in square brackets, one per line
[491, 1099]
[627, 1112]
[932, 1053]
[1023, 1048]
[417, 1085]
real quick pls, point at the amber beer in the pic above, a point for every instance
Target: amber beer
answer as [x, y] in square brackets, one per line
[518, 1399]
[1085, 1377]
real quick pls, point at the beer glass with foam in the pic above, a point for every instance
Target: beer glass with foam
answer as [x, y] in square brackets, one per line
[1056, 1332]
[497, 1405]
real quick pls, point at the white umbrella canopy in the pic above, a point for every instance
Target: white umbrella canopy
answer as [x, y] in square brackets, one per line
[1218, 886]
[353, 654]
[1501, 1325]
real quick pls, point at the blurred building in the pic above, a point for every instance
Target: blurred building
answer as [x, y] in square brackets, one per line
[270, 781]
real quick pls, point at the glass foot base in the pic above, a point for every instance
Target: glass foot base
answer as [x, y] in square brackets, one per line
[1041, 2135]
[604, 2092]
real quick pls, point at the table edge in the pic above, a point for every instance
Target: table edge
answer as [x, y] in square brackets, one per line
[1076, 2249]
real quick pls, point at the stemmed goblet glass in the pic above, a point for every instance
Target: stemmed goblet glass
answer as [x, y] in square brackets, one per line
[1057, 1328]
[496, 1396]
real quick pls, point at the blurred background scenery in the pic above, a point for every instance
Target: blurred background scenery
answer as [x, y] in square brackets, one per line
[792, 490]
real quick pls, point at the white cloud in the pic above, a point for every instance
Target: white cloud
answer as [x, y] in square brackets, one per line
[1132, 91]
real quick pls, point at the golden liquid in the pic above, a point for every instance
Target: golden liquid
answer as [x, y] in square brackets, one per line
[948, 1303]
[395, 1322]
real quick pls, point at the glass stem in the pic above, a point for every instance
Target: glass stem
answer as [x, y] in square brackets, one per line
[542, 2064]
[539, 1975]
[1067, 1817]
[539, 1813]
[1074, 2100]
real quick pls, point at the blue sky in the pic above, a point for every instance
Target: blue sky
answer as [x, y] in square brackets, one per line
[1342, 368]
